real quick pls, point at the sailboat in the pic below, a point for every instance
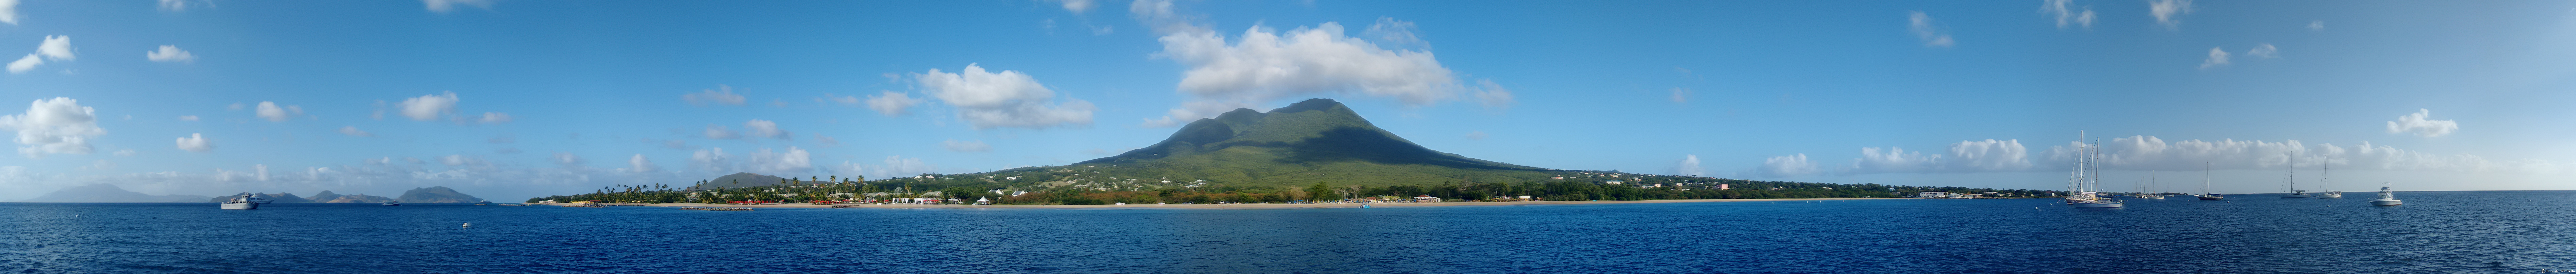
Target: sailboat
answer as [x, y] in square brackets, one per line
[2084, 196]
[2294, 179]
[2386, 198]
[2324, 183]
[2151, 193]
[2205, 194]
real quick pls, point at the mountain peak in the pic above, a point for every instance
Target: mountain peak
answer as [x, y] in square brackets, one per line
[1296, 139]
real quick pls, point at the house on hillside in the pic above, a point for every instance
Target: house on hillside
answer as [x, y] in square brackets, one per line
[1425, 199]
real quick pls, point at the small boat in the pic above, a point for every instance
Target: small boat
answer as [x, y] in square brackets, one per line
[392, 203]
[2386, 198]
[483, 203]
[2297, 194]
[2293, 179]
[246, 201]
[2087, 177]
[2205, 194]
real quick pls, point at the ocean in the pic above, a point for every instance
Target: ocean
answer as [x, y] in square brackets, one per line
[2435, 232]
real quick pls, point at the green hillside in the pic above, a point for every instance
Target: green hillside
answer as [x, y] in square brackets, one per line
[1318, 140]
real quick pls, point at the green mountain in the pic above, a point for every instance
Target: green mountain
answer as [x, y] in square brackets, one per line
[327, 197]
[106, 193]
[1318, 140]
[435, 194]
[741, 179]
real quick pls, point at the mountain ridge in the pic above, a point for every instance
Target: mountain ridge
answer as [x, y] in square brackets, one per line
[1316, 140]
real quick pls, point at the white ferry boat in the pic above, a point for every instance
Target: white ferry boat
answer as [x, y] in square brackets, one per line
[246, 201]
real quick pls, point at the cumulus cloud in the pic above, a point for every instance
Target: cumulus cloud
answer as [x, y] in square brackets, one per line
[428, 107]
[1262, 66]
[720, 132]
[966, 146]
[353, 131]
[2067, 15]
[1689, 166]
[765, 129]
[444, 6]
[1921, 25]
[2265, 51]
[196, 142]
[2169, 12]
[54, 126]
[722, 95]
[894, 166]
[2151, 153]
[270, 111]
[1075, 6]
[2318, 25]
[712, 159]
[793, 160]
[2217, 57]
[1786, 166]
[494, 118]
[174, 5]
[54, 48]
[567, 160]
[1965, 156]
[2418, 124]
[1004, 99]
[170, 53]
[892, 103]
[638, 164]
[9, 11]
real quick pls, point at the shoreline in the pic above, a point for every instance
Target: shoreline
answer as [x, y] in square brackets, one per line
[1262, 206]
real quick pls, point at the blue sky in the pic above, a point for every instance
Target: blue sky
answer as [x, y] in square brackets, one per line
[510, 99]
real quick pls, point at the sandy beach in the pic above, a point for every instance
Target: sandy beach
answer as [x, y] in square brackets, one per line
[1261, 206]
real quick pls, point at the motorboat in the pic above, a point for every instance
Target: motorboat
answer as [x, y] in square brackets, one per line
[246, 201]
[2386, 198]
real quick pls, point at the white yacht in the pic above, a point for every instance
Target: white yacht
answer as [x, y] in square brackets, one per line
[2205, 194]
[2323, 182]
[2386, 198]
[2294, 180]
[2084, 179]
[246, 201]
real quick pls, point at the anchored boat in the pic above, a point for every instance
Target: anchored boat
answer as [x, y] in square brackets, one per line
[2386, 198]
[246, 201]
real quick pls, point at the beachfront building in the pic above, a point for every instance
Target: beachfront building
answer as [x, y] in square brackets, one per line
[1932, 194]
[1425, 199]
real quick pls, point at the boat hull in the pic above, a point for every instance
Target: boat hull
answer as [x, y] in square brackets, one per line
[241, 206]
[2213, 197]
[2387, 202]
[2294, 196]
[2329, 195]
[2098, 205]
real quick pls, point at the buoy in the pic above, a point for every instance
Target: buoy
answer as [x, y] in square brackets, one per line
[469, 225]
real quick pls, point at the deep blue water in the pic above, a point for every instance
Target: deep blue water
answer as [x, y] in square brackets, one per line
[2436, 232]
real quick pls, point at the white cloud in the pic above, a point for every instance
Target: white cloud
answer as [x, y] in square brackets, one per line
[638, 164]
[712, 159]
[2217, 57]
[174, 5]
[1005, 99]
[722, 95]
[125, 152]
[269, 110]
[9, 11]
[894, 166]
[196, 142]
[1893, 159]
[567, 160]
[22, 65]
[1689, 167]
[428, 107]
[1476, 135]
[1989, 155]
[720, 132]
[494, 118]
[892, 103]
[54, 126]
[2318, 25]
[2169, 12]
[1921, 25]
[2066, 15]
[1786, 166]
[2417, 124]
[353, 131]
[2151, 153]
[1076, 6]
[792, 161]
[967, 146]
[170, 53]
[56, 48]
[766, 129]
[443, 6]
[459, 160]
[2265, 50]
[1681, 95]
[1263, 66]
[262, 171]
